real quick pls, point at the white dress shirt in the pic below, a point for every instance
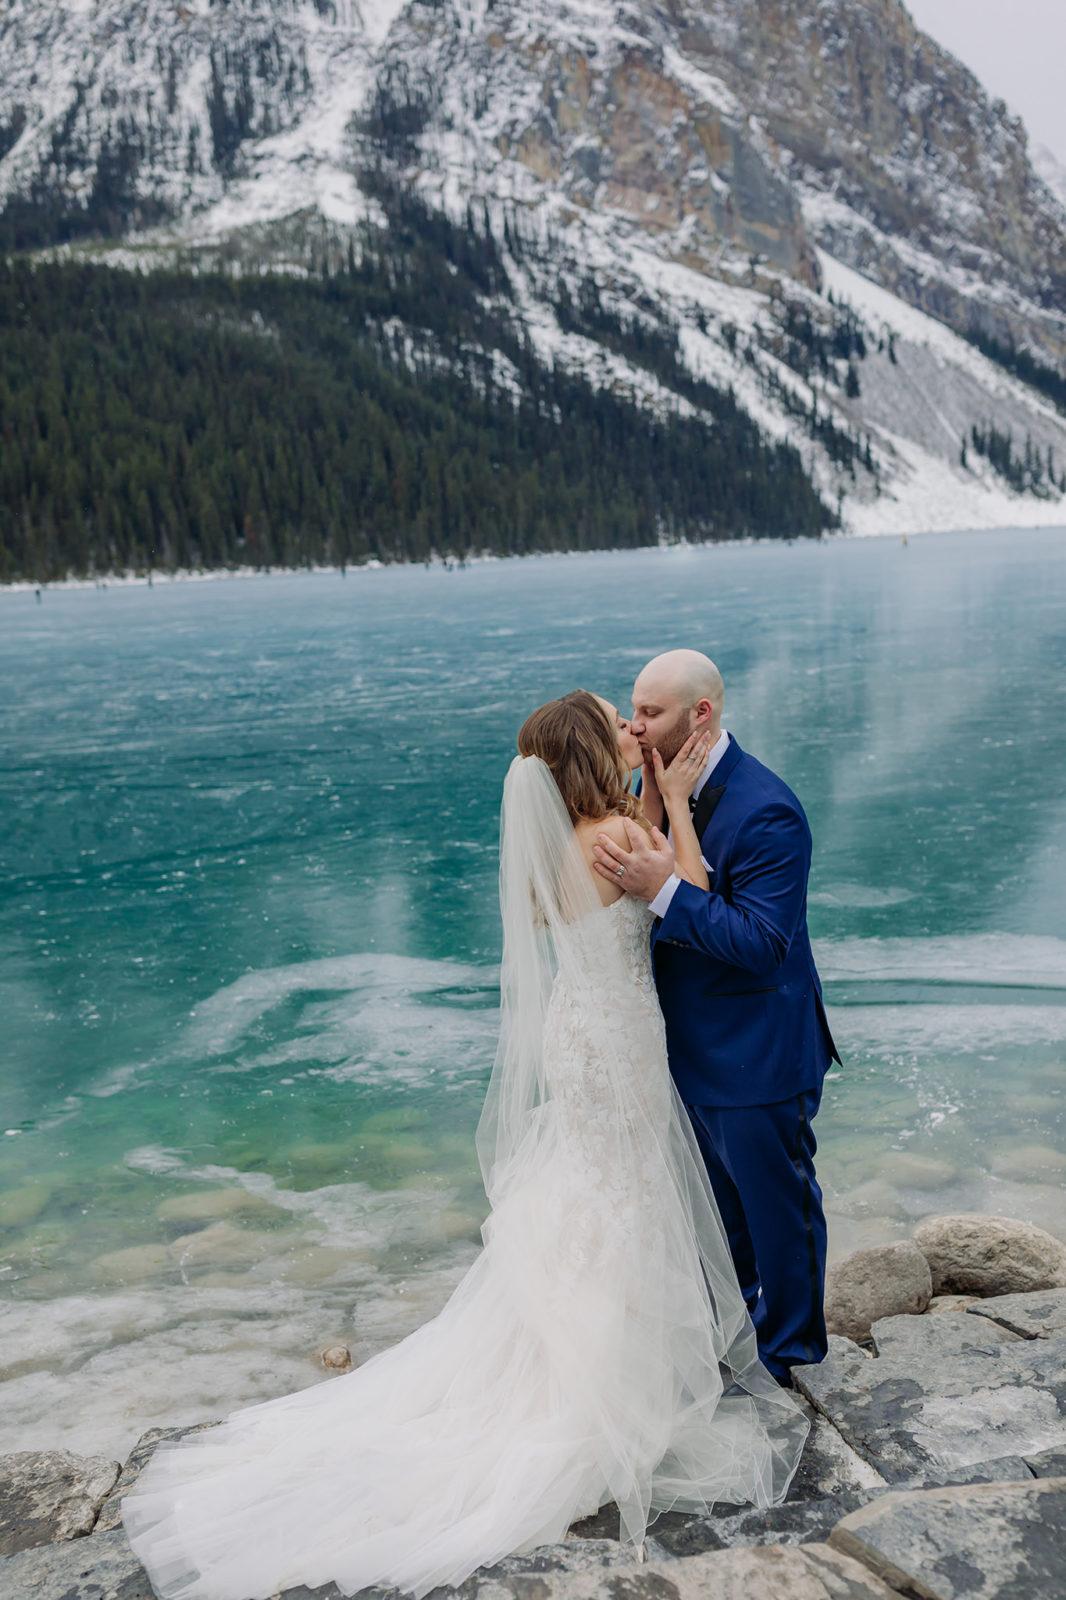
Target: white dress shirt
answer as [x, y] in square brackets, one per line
[661, 904]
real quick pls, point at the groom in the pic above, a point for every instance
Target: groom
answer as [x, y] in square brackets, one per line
[746, 1029]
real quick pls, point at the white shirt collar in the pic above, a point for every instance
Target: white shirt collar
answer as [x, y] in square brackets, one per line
[718, 750]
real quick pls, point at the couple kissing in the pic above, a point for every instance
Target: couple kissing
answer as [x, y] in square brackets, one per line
[654, 1252]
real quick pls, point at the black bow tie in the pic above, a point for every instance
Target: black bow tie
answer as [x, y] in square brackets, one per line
[692, 802]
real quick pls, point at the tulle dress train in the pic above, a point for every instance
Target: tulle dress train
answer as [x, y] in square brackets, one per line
[598, 1349]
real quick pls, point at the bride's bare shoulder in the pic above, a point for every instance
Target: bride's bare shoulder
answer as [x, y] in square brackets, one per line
[586, 833]
[614, 827]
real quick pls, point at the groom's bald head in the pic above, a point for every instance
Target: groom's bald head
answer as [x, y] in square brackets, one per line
[685, 674]
[674, 694]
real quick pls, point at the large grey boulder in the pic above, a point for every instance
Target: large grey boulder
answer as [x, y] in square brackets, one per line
[50, 1495]
[973, 1254]
[943, 1394]
[889, 1280]
[989, 1541]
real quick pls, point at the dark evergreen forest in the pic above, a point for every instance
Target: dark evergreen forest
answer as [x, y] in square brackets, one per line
[381, 407]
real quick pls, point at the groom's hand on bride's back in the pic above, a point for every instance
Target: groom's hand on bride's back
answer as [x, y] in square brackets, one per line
[645, 866]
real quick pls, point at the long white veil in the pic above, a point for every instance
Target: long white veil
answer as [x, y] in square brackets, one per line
[546, 889]
[704, 1422]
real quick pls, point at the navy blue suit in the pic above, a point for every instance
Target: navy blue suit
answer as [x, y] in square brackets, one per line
[749, 1044]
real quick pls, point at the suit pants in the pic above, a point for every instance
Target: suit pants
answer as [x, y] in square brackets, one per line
[760, 1160]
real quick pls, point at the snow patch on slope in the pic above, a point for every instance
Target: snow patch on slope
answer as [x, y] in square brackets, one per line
[920, 408]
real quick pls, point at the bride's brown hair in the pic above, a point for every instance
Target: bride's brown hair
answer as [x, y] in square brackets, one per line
[578, 743]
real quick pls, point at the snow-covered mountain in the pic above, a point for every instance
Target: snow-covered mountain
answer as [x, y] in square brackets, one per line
[821, 204]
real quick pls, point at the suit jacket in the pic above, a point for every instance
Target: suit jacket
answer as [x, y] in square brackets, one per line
[745, 1023]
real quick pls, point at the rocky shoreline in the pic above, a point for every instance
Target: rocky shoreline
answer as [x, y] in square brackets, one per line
[935, 1467]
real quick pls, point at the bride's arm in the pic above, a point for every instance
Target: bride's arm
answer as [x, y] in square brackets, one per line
[651, 801]
[675, 784]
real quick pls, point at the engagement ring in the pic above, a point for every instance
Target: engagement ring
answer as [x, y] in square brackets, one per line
[620, 871]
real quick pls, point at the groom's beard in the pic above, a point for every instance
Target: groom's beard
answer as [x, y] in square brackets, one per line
[672, 740]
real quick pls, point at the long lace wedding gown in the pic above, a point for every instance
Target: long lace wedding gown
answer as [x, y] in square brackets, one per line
[598, 1349]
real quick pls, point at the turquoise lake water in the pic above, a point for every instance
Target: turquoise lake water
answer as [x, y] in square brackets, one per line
[248, 929]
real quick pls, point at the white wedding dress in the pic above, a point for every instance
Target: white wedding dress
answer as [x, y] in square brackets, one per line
[598, 1349]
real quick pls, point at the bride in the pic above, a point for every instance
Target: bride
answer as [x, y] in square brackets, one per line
[598, 1349]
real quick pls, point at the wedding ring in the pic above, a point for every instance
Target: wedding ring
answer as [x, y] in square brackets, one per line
[620, 871]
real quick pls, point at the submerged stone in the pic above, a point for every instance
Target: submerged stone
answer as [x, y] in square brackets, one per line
[21, 1206]
[137, 1263]
[212, 1205]
[907, 1170]
[221, 1244]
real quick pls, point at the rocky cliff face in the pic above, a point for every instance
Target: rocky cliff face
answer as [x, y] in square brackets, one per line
[907, 171]
[606, 111]
[713, 166]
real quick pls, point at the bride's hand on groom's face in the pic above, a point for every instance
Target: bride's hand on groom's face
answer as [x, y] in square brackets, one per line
[645, 866]
[676, 781]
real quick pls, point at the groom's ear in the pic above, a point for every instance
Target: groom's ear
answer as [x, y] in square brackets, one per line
[704, 713]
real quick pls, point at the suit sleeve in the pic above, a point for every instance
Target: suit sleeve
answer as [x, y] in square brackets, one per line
[753, 929]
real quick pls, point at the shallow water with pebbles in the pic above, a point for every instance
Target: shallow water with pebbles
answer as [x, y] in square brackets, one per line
[249, 936]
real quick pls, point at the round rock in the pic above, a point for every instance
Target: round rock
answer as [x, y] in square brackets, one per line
[337, 1358]
[889, 1280]
[973, 1254]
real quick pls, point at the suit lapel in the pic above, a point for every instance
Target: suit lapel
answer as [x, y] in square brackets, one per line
[711, 793]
